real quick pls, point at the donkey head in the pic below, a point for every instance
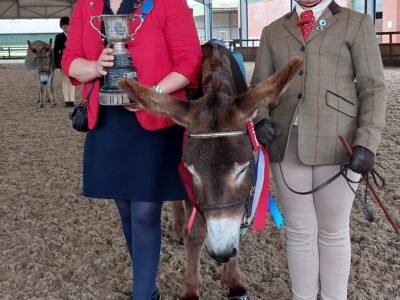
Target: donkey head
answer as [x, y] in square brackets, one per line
[42, 54]
[221, 167]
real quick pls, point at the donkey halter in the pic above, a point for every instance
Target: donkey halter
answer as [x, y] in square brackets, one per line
[231, 204]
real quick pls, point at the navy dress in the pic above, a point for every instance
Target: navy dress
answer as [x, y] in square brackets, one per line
[123, 161]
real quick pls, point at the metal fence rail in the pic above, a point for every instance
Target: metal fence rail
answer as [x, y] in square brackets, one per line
[13, 52]
[389, 44]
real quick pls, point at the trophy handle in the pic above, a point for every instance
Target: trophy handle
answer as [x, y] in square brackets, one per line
[94, 27]
[133, 17]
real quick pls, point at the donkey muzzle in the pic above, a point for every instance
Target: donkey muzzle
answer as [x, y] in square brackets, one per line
[222, 257]
[223, 236]
[44, 78]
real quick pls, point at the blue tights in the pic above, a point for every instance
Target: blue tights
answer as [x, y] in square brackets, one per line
[141, 224]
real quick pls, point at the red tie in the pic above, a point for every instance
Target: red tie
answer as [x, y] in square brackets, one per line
[306, 23]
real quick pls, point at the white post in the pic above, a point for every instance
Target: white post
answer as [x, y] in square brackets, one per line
[244, 32]
[208, 19]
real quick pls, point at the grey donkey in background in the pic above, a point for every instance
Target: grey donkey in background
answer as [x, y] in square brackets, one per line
[40, 60]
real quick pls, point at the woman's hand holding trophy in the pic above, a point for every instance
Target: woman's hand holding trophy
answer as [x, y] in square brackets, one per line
[106, 59]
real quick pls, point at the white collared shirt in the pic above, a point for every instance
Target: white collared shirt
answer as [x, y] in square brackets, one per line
[317, 10]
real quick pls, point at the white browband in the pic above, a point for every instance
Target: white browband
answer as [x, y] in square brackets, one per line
[217, 134]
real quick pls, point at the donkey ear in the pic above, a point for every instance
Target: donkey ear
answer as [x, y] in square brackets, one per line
[266, 92]
[177, 109]
[51, 42]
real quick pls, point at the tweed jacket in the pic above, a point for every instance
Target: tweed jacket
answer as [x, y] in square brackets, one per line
[340, 91]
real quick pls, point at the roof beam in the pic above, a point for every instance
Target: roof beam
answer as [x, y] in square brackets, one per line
[7, 9]
[31, 9]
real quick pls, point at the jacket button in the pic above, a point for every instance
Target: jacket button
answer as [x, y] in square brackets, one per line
[301, 72]
[303, 48]
[300, 96]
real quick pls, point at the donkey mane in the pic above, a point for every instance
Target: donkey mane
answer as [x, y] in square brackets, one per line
[222, 80]
[221, 73]
[217, 78]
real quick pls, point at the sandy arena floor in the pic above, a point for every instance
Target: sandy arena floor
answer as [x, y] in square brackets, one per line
[55, 244]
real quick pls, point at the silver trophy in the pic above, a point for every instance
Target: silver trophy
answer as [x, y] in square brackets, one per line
[117, 34]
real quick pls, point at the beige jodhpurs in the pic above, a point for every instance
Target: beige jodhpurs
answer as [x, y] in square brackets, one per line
[67, 88]
[317, 226]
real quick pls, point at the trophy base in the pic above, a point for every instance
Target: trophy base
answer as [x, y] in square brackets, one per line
[113, 99]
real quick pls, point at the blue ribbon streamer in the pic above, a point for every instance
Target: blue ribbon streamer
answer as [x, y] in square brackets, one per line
[275, 213]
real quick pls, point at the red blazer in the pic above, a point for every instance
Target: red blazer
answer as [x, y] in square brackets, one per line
[166, 42]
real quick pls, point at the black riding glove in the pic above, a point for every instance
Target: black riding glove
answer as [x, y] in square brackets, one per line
[267, 130]
[362, 161]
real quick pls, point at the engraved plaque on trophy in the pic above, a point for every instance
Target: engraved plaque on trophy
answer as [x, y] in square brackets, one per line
[117, 34]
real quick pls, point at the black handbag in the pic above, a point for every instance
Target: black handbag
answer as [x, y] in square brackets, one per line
[79, 116]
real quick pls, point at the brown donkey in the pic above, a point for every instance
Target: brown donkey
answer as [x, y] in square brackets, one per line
[39, 60]
[219, 155]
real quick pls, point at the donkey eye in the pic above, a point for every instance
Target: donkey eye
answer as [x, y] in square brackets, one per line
[196, 178]
[240, 171]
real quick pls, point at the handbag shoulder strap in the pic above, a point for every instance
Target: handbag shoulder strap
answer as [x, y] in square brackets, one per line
[89, 93]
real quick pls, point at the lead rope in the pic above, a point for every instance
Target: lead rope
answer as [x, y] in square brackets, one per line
[372, 189]
[342, 172]
[344, 167]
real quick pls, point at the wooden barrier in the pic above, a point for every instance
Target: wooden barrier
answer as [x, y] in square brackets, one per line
[248, 48]
[390, 47]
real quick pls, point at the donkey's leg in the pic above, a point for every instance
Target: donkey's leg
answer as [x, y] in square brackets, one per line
[41, 95]
[49, 94]
[193, 243]
[178, 208]
[46, 93]
[50, 91]
[231, 277]
[36, 75]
